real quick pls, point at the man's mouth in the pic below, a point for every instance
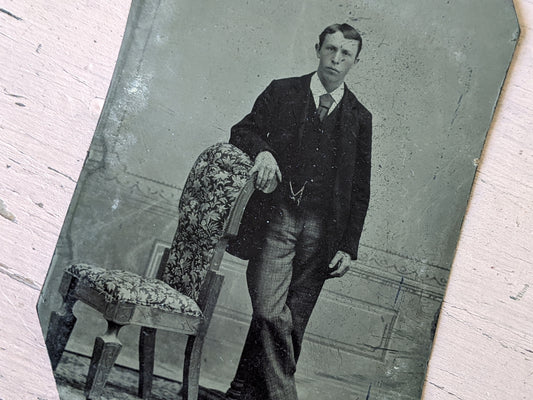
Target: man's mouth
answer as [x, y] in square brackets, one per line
[333, 69]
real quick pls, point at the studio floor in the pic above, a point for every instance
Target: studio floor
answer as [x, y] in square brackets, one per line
[122, 384]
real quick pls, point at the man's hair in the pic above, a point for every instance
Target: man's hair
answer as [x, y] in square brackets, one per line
[348, 31]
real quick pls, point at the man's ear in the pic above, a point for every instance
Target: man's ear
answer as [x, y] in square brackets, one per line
[317, 49]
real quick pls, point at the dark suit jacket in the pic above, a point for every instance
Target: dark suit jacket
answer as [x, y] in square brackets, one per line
[274, 125]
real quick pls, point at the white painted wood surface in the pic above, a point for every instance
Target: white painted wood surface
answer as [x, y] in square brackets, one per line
[56, 61]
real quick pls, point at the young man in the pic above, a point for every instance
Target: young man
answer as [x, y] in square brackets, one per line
[311, 142]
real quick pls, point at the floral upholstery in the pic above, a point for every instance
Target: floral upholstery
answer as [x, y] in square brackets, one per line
[211, 189]
[126, 287]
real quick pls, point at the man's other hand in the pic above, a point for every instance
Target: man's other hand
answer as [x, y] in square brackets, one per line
[268, 173]
[339, 265]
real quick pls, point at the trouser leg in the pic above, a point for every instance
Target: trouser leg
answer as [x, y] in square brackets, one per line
[268, 360]
[284, 282]
[309, 271]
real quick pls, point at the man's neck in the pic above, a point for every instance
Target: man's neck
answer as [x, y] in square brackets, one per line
[330, 88]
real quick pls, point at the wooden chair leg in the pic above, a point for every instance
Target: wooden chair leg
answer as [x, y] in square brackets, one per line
[106, 350]
[191, 368]
[146, 361]
[61, 322]
[193, 352]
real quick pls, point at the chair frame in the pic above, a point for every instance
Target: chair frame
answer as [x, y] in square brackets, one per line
[107, 346]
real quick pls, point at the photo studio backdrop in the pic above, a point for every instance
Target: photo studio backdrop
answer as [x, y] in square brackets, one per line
[430, 73]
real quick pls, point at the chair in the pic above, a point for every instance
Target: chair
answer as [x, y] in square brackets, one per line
[183, 295]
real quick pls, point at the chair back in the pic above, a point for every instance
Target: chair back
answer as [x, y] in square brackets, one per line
[210, 192]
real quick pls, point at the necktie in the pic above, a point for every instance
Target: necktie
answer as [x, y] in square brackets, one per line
[326, 100]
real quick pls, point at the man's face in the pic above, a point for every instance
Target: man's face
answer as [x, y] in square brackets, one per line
[337, 56]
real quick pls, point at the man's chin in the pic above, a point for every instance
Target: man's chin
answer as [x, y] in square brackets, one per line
[333, 81]
[330, 78]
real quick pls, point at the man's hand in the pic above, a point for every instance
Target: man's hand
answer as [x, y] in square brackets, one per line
[268, 173]
[339, 265]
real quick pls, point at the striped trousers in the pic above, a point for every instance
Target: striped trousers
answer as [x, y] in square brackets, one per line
[284, 282]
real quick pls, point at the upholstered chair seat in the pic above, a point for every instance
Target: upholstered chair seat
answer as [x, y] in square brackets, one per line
[182, 296]
[126, 287]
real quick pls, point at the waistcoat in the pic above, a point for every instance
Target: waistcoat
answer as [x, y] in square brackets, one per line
[313, 166]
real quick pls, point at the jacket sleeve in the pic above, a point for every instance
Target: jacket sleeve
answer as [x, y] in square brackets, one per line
[250, 134]
[360, 195]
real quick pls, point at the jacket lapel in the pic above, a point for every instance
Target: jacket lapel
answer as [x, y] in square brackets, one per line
[346, 156]
[348, 131]
[300, 100]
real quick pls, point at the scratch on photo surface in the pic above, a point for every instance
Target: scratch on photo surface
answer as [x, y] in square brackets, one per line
[368, 393]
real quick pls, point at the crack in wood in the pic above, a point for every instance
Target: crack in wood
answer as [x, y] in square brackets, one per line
[4, 269]
[13, 95]
[520, 294]
[77, 78]
[61, 173]
[10, 14]
[444, 390]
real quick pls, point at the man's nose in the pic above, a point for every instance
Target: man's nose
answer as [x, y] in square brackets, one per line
[336, 57]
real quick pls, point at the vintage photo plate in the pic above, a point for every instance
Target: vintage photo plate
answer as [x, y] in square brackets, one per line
[430, 72]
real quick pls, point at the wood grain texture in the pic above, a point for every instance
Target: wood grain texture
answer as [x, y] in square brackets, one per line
[57, 60]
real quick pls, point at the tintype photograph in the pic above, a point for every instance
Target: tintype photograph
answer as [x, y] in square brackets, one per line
[272, 198]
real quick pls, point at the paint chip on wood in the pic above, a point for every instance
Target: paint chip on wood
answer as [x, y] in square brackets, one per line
[4, 212]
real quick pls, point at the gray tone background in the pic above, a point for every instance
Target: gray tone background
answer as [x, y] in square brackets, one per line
[430, 72]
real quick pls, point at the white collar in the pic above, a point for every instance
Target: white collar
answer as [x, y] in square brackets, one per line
[317, 89]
